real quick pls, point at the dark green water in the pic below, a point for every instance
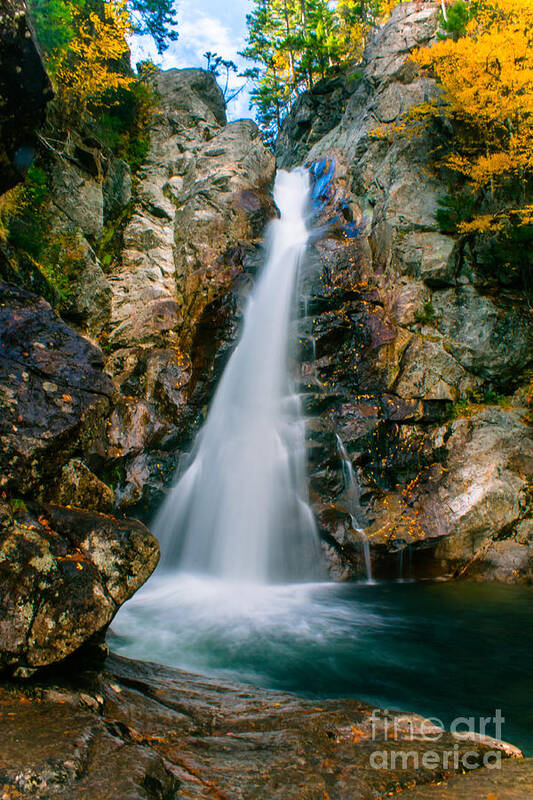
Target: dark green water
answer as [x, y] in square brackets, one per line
[441, 649]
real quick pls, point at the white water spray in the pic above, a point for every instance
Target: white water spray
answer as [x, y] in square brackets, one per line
[240, 509]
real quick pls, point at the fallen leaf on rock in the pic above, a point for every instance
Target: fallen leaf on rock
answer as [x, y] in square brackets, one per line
[358, 734]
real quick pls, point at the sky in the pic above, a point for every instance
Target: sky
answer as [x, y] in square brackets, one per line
[216, 25]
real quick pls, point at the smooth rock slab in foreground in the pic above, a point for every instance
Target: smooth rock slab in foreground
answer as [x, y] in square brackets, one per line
[146, 732]
[64, 573]
[514, 781]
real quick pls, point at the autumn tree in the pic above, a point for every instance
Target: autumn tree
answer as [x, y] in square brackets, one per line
[485, 68]
[358, 19]
[91, 65]
[85, 45]
[56, 22]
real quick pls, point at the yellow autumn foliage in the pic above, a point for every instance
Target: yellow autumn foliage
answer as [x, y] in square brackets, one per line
[91, 66]
[487, 81]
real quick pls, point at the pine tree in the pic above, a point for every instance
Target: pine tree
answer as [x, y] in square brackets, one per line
[155, 18]
[295, 43]
[272, 43]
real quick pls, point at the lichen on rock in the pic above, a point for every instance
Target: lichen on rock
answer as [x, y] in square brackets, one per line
[64, 573]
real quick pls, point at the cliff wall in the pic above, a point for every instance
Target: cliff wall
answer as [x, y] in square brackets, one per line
[423, 345]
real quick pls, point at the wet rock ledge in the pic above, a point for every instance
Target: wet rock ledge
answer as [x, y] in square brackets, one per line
[145, 732]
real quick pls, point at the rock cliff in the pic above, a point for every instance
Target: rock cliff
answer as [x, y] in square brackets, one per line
[422, 349]
[99, 404]
[201, 204]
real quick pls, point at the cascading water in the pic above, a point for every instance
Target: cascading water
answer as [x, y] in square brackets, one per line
[351, 489]
[240, 509]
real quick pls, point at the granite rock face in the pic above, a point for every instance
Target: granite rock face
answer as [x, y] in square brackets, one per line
[415, 343]
[314, 114]
[201, 205]
[55, 395]
[202, 190]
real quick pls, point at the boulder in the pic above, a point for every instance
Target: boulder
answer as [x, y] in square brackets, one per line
[193, 93]
[64, 573]
[427, 371]
[484, 492]
[490, 340]
[78, 486]
[430, 256]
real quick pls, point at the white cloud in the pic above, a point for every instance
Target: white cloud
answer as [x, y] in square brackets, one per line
[200, 30]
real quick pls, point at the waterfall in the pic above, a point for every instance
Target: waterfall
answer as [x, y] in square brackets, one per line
[240, 510]
[351, 489]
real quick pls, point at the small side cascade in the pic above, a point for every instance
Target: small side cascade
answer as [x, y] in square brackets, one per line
[352, 492]
[405, 564]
